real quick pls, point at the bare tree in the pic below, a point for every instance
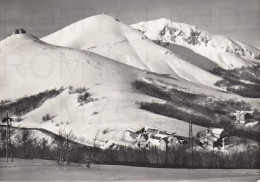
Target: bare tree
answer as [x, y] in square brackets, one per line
[69, 136]
[64, 142]
[60, 141]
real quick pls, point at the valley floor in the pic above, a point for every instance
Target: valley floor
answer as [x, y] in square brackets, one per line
[45, 170]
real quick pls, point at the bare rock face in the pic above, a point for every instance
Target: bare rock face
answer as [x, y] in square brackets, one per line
[19, 31]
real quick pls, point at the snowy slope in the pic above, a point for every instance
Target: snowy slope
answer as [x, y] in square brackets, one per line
[29, 65]
[227, 53]
[108, 37]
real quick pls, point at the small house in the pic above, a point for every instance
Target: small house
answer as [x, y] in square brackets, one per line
[142, 141]
[242, 116]
[164, 144]
[213, 137]
[210, 142]
[129, 135]
[217, 132]
[153, 142]
[169, 142]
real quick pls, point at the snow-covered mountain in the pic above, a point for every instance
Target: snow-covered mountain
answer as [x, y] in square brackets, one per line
[217, 50]
[29, 66]
[106, 57]
[108, 37]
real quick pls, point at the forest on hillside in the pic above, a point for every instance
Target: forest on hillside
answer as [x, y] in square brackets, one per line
[202, 110]
[243, 81]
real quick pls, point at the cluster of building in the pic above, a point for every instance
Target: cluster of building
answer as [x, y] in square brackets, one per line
[218, 137]
[210, 139]
[147, 138]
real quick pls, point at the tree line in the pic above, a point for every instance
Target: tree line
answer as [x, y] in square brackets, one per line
[180, 158]
[64, 150]
[232, 80]
[28, 103]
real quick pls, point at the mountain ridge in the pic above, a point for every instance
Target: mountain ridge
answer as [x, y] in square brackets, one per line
[122, 43]
[112, 101]
[108, 82]
[226, 52]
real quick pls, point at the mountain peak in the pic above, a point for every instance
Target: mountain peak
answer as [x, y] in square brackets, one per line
[18, 39]
[103, 15]
[163, 20]
[161, 23]
[74, 33]
[99, 18]
[214, 47]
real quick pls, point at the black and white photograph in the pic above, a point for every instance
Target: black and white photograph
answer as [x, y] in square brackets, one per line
[130, 90]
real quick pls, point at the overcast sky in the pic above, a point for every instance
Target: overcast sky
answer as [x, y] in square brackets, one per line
[234, 18]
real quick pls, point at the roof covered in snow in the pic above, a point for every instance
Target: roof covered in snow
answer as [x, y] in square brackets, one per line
[217, 131]
[210, 137]
[129, 129]
[241, 112]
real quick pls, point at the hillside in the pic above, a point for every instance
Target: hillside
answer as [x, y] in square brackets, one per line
[38, 66]
[98, 97]
[210, 50]
[111, 38]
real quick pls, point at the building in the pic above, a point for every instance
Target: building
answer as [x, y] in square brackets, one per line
[213, 138]
[153, 130]
[210, 142]
[19, 31]
[163, 142]
[153, 142]
[242, 116]
[181, 140]
[217, 132]
[142, 141]
[129, 135]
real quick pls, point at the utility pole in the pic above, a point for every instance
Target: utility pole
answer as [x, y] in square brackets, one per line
[223, 144]
[8, 121]
[6, 137]
[11, 145]
[190, 142]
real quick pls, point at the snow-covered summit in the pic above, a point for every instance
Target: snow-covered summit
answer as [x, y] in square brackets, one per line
[106, 36]
[225, 52]
[14, 39]
[29, 66]
[92, 32]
